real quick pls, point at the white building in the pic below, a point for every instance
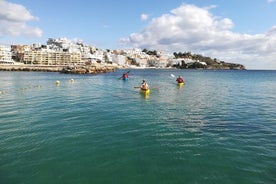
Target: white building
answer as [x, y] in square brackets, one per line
[179, 61]
[6, 54]
[119, 59]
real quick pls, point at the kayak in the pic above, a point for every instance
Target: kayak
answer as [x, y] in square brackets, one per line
[125, 78]
[145, 91]
[180, 84]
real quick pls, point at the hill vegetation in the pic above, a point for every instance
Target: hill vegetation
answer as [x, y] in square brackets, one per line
[198, 61]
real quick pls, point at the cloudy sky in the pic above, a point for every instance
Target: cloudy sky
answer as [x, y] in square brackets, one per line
[238, 31]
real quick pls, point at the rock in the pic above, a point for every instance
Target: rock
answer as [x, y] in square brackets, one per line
[88, 69]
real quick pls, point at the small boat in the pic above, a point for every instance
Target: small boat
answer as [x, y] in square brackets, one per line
[125, 76]
[180, 84]
[145, 91]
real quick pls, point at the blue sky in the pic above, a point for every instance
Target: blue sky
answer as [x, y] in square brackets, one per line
[239, 31]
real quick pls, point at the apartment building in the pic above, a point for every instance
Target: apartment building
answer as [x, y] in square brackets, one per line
[40, 57]
[5, 55]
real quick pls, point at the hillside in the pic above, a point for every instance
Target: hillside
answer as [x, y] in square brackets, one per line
[204, 62]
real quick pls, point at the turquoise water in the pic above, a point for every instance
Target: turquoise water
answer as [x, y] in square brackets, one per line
[219, 128]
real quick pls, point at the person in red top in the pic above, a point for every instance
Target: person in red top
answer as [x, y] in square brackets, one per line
[180, 80]
[125, 76]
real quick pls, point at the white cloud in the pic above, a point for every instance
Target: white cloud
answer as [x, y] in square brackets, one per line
[105, 26]
[144, 17]
[271, 1]
[195, 29]
[13, 21]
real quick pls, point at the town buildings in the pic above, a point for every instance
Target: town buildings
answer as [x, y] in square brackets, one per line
[64, 52]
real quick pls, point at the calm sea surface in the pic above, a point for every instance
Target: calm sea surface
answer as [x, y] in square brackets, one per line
[219, 128]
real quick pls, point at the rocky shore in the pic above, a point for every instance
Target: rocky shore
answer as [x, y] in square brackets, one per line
[89, 69]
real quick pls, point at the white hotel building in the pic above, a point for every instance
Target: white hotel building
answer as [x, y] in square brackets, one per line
[6, 55]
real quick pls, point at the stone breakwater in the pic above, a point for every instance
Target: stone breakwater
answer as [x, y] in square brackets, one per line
[90, 69]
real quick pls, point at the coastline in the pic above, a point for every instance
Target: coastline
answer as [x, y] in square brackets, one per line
[90, 69]
[94, 68]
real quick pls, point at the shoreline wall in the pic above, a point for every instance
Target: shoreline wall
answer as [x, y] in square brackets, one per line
[90, 69]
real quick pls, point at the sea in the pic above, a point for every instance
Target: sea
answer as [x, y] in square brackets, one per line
[220, 127]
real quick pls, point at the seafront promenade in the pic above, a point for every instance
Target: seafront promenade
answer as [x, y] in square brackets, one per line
[87, 69]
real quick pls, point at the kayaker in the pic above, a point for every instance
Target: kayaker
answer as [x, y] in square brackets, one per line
[180, 79]
[125, 75]
[144, 85]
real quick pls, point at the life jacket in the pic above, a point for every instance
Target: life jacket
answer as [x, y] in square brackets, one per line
[125, 75]
[179, 80]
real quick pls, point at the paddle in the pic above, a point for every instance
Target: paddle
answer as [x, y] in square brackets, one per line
[122, 76]
[155, 87]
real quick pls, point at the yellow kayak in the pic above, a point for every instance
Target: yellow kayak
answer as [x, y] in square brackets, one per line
[145, 91]
[180, 84]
